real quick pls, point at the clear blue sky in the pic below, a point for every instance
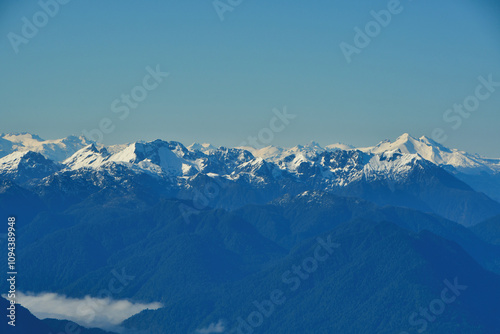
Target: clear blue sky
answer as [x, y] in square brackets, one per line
[227, 76]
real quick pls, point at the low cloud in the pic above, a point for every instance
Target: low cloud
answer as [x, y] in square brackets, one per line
[88, 311]
[213, 328]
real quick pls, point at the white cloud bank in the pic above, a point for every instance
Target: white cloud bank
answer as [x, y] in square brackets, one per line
[213, 328]
[88, 311]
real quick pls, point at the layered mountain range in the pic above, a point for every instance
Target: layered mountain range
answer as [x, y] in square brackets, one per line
[409, 172]
[212, 234]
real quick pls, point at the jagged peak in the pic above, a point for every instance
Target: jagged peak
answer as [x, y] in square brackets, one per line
[405, 136]
[202, 147]
[20, 155]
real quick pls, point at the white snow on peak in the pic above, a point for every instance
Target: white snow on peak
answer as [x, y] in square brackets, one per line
[267, 153]
[309, 151]
[88, 157]
[127, 154]
[294, 165]
[26, 162]
[156, 158]
[170, 161]
[173, 159]
[391, 164]
[23, 138]
[205, 147]
[56, 150]
[339, 146]
[11, 162]
[437, 154]
[277, 154]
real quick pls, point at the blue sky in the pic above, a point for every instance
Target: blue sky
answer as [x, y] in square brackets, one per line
[225, 77]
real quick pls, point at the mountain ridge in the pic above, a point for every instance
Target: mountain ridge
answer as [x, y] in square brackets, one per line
[206, 231]
[389, 173]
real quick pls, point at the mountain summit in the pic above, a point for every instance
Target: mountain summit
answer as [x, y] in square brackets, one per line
[56, 150]
[437, 154]
[408, 172]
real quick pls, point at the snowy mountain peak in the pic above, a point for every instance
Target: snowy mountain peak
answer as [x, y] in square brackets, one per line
[314, 146]
[57, 150]
[431, 142]
[89, 156]
[405, 136]
[205, 147]
[25, 165]
[21, 137]
[337, 162]
[405, 143]
[437, 154]
[266, 153]
[339, 146]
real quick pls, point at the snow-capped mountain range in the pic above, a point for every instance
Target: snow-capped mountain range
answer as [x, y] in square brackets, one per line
[56, 150]
[437, 154]
[425, 147]
[400, 172]
[72, 150]
[172, 159]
